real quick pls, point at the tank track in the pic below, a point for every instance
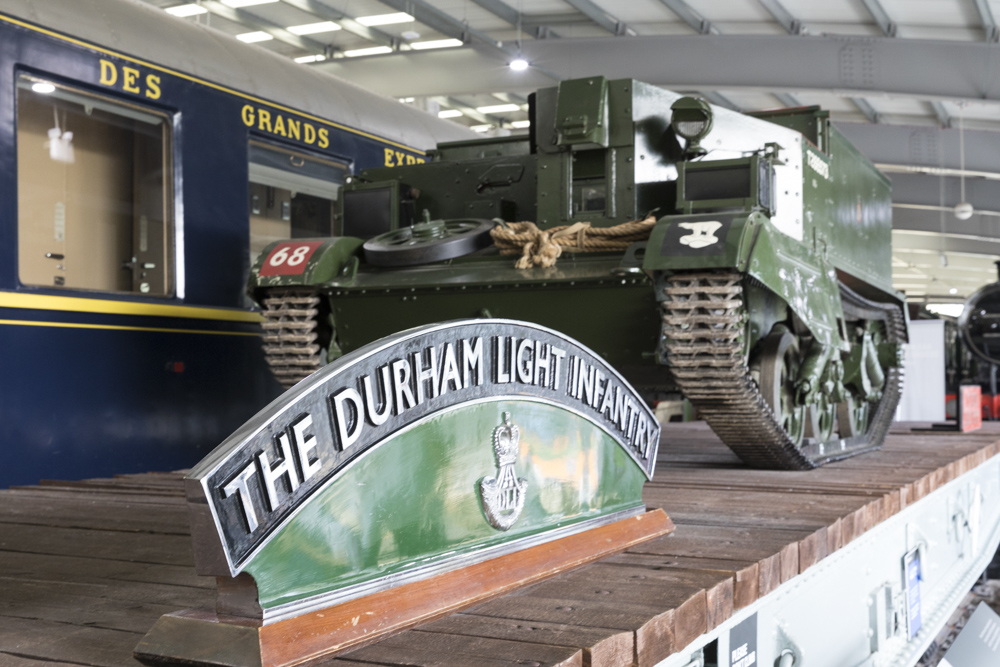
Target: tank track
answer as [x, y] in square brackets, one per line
[291, 333]
[703, 344]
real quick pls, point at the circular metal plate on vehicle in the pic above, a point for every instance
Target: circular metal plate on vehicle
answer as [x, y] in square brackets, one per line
[427, 242]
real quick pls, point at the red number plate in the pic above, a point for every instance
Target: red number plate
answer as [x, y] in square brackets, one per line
[289, 259]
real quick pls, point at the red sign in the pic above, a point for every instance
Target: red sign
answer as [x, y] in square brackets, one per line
[972, 411]
[289, 259]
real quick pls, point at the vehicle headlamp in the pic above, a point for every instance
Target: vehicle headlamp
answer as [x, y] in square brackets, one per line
[692, 119]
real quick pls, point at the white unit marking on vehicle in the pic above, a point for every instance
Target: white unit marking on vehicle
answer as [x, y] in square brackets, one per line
[702, 233]
[818, 165]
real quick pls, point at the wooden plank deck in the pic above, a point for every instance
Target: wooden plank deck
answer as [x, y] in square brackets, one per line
[87, 567]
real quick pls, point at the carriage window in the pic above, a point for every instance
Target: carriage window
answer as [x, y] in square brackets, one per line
[94, 193]
[292, 195]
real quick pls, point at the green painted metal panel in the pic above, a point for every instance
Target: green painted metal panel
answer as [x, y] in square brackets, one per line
[582, 298]
[553, 189]
[582, 112]
[854, 218]
[813, 122]
[805, 280]
[473, 149]
[414, 501]
[847, 201]
[739, 229]
[474, 190]
[808, 284]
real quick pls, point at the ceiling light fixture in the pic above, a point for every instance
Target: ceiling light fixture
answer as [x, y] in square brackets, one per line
[184, 11]
[437, 44]
[963, 210]
[519, 64]
[498, 108]
[251, 37]
[384, 19]
[303, 60]
[236, 4]
[481, 128]
[43, 87]
[371, 51]
[521, 124]
[313, 28]
[449, 113]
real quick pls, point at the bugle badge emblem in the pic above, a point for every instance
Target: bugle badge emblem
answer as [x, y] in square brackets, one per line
[503, 496]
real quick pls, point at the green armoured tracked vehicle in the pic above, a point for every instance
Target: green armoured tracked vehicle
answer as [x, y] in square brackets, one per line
[742, 260]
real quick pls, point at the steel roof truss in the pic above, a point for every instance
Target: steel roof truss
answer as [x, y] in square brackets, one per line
[535, 24]
[881, 17]
[788, 99]
[697, 22]
[447, 25]
[792, 25]
[989, 24]
[719, 99]
[942, 114]
[327, 13]
[254, 22]
[600, 17]
[867, 109]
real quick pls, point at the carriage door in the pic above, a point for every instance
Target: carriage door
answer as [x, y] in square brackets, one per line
[150, 233]
[293, 194]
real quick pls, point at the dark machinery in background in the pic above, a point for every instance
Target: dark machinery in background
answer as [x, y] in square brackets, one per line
[972, 347]
[763, 292]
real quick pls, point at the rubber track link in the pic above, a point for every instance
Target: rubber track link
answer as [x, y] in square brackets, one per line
[291, 333]
[702, 342]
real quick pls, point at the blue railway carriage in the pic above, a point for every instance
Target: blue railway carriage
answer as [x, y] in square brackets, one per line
[144, 161]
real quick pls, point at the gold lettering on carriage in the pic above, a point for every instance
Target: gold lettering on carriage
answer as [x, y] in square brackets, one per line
[281, 125]
[130, 79]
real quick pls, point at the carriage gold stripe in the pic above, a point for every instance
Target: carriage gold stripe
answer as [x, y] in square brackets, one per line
[111, 307]
[113, 327]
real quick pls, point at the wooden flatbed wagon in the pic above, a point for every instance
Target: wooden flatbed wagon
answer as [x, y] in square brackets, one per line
[87, 567]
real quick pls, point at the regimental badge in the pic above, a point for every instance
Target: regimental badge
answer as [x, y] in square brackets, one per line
[702, 233]
[503, 496]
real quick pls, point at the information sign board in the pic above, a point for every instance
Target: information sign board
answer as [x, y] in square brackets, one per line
[978, 644]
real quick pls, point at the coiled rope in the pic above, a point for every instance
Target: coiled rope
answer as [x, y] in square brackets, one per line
[543, 248]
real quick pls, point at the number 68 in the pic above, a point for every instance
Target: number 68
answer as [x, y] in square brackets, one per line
[288, 255]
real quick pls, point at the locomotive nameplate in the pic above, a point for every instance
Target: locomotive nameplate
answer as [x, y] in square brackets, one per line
[443, 453]
[262, 474]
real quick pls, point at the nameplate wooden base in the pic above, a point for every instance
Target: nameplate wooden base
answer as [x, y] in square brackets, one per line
[197, 637]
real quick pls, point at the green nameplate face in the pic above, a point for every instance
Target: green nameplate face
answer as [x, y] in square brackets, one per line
[425, 452]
